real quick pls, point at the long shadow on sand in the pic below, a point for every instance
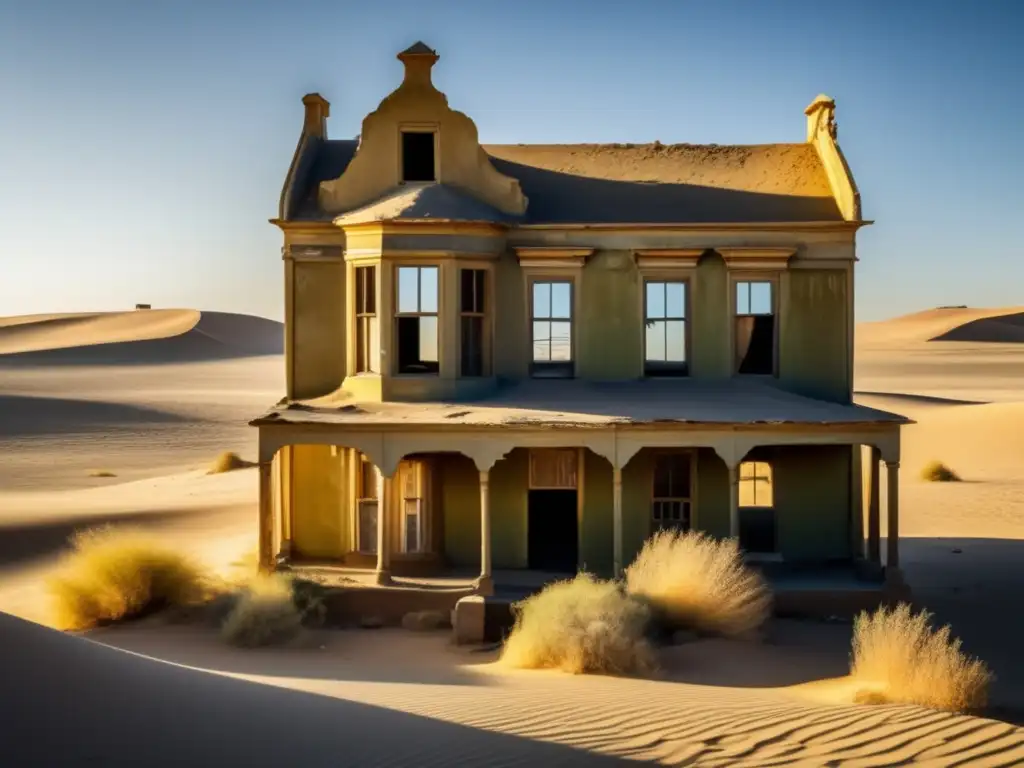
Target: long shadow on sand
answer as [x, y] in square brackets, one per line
[66, 701]
[24, 416]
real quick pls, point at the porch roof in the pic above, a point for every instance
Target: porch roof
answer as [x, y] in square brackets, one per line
[575, 403]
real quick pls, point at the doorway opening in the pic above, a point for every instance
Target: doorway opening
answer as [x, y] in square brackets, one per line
[552, 516]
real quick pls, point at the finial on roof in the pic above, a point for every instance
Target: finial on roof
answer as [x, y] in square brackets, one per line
[821, 117]
[418, 59]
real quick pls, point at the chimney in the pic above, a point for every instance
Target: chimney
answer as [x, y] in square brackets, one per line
[418, 59]
[317, 111]
[821, 116]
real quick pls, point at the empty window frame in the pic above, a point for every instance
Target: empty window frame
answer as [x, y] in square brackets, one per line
[757, 507]
[672, 492]
[367, 507]
[552, 331]
[367, 328]
[754, 331]
[412, 478]
[473, 343]
[418, 156]
[416, 320]
[665, 328]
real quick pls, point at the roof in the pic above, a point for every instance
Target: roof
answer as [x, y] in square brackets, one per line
[577, 403]
[634, 183]
[423, 202]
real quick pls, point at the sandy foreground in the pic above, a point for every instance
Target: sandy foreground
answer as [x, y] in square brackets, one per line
[145, 695]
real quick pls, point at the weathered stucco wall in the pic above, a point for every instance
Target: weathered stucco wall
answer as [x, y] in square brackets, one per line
[460, 508]
[709, 310]
[813, 337]
[812, 502]
[596, 538]
[318, 328]
[509, 481]
[320, 515]
[610, 325]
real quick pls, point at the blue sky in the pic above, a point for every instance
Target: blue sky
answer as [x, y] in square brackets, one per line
[143, 145]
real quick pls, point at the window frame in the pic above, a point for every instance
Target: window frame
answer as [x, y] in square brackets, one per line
[691, 453]
[667, 370]
[486, 316]
[773, 279]
[438, 315]
[772, 507]
[416, 127]
[362, 491]
[420, 470]
[365, 318]
[553, 367]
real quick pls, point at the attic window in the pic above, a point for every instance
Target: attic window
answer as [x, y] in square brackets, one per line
[418, 156]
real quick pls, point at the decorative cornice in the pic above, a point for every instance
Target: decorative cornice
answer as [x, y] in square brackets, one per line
[538, 256]
[763, 226]
[756, 257]
[668, 258]
[425, 227]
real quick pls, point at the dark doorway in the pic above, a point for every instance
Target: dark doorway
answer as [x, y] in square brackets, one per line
[551, 530]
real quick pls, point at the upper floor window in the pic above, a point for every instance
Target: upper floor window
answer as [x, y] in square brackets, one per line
[665, 324]
[416, 320]
[367, 329]
[671, 498]
[418, 156]
[473, 322]
[757, 507]
[754, 334]
[551, 319]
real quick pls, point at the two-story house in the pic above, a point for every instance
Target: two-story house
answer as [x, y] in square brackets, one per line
[521, 356]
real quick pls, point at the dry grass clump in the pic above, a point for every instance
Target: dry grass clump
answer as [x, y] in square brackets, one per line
[582, 625]
[115, 574]
[699, 583]
[937, 472]
[102, 473]
[265, 613]
[909, 662]
[228, 461]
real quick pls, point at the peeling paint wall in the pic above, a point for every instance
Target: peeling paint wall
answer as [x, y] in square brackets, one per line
[609, 328]
[709, 309]
[596, 537]
[814, 338]
[318, 328]
[320, 515]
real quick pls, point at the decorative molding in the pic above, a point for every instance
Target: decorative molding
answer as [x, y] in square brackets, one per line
[313, 253]
[668, 258]
[747, 258]
[553, 257]
[423, 227]
[746, 226]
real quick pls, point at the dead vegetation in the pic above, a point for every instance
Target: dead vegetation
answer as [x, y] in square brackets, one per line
[937, 472]
[228, 461]
[582, 625]
[102, 473]
[266, 613]
[901, 659]
[698, 583]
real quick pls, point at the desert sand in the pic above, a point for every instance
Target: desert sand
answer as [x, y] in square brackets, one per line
[141, 395]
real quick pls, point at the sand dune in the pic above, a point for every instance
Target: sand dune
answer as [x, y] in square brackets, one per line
[132, 338]
[953, 324]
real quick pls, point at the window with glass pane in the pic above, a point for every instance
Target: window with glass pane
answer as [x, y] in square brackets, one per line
[671, 497]
[551, 310]
[757, 507]
[367, 336]
[665, 328]
[367, 507]
[755, 327]
[472, 318]
[416, 320]
[412, 476]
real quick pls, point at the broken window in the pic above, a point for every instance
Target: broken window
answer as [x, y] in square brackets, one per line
[367, 334]
[418, 156]
[757, 507]
[472, 312]
[671, 496]
[551, 310]
[755, 327]
[416, 320]
[665, 328]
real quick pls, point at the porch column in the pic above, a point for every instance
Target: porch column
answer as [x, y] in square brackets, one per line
[892, 553]
[383, 531]
[485, 583]
[874, 507]
[734, 501]
[266, 517]
[617, 522]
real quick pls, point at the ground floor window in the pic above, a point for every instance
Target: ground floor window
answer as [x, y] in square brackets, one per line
[671, 500]
[757, 507]
[367, 507]
[412, 481]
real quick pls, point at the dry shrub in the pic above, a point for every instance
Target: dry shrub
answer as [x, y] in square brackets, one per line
[696, 582]
[264, 614]
[228, 462]
[937, 472]
[114, 574]
[102, 473]
[582, 625]
[911, 663]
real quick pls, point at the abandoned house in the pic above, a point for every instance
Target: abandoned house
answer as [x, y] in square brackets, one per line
[511, 359]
